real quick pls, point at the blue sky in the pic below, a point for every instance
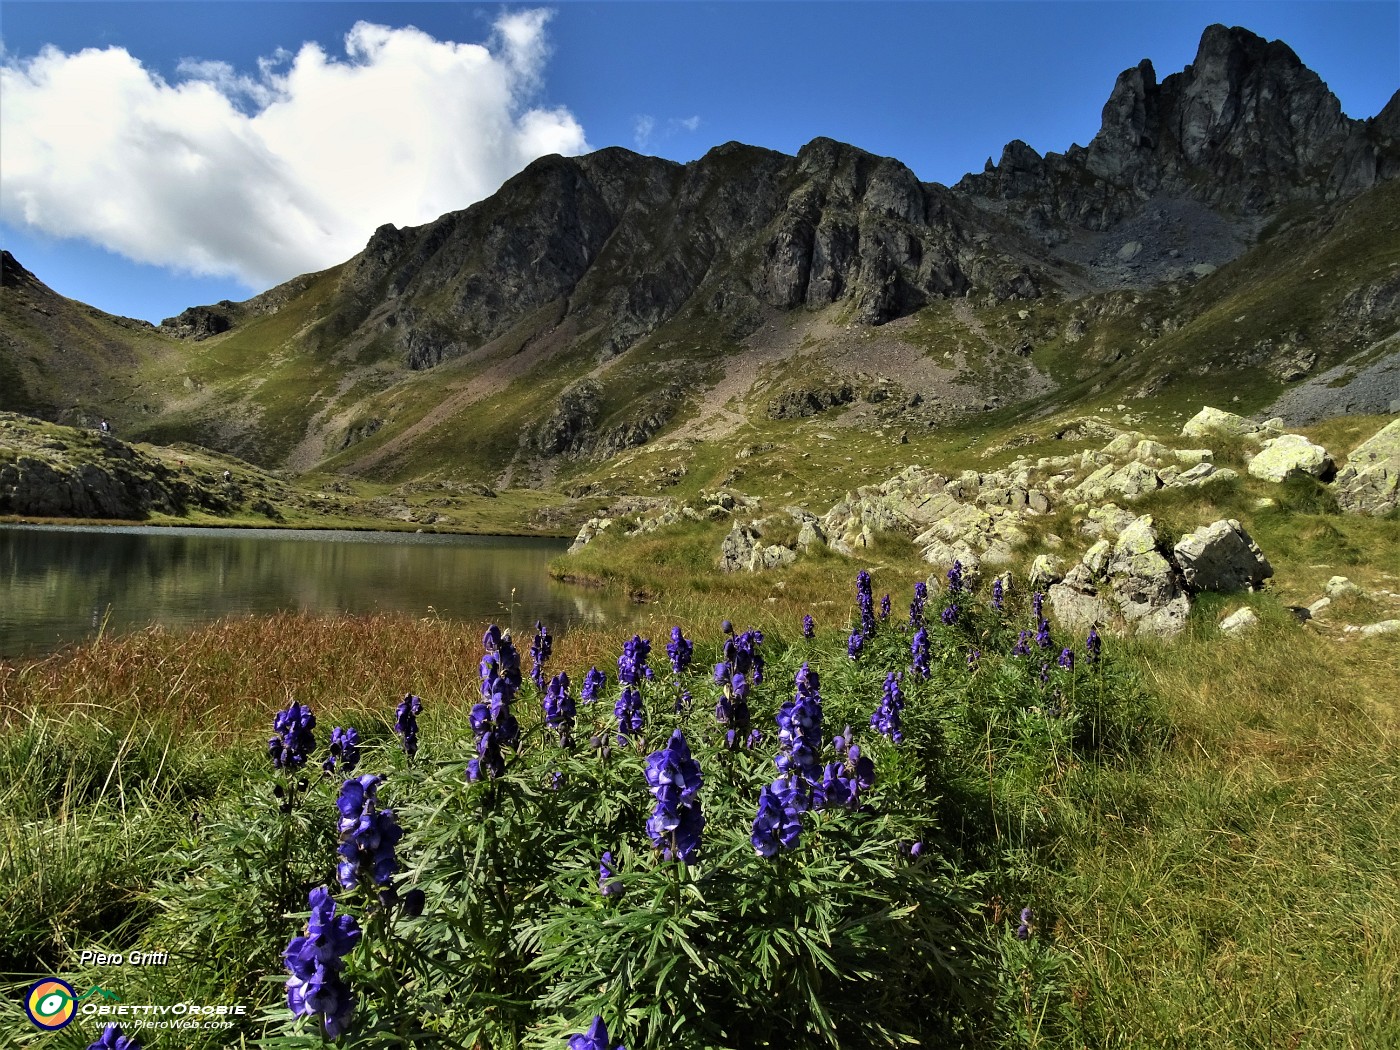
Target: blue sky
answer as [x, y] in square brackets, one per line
[230, 145]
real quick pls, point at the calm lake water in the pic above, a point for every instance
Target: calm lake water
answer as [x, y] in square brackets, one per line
[58, 584]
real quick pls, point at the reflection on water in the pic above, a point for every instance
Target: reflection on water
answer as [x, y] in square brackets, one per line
[58, 584]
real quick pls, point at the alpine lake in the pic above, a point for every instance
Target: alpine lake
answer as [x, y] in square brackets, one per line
[64, 585]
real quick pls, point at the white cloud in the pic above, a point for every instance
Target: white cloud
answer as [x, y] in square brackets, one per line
[688, 123]
[642, 127]
[263, 176]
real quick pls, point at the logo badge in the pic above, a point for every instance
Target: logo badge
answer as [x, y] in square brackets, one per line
[50, 1004]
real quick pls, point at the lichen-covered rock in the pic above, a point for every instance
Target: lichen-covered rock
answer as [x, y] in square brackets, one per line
[1145, 584]
[737, 550]
[588, 532]
[1079, 601]
[1281, 456]
[1210, 421]
[1370, 481]
[1221, 557]
[1045, 571]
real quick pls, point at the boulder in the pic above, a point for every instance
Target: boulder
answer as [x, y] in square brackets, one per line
[1239, 622]
[1281, 456]
[737, 551]
[1373, 630]
[1221, 557]
[1341, 587]
[1210, 421]
[1080, 601]
[1145, 584]
[1045, 571]
[1318, 607]
[810, 536]
[588, 533]
[1370, 481]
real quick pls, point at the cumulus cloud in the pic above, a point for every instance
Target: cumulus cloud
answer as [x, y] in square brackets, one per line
[642, 128]
[263, 175]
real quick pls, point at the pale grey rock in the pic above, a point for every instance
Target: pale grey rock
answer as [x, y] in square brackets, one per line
[1144, 583]
[1045, 571]
[1240, 622]
[1078, 603]
[736, 553]
[1209, 421]
[1370, 481]
[1341, 587]
[1096, 559]
[1384, 627]
[1221, 557]
[1281, 456]
[1319, 607]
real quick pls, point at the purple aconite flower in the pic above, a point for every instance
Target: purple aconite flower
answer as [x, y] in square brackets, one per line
[866, 600]
[596, 1038]
[916, 607]
[609, 885]
[974, 656]
[920, 650]
[559, 707]
[809, 627]
[541, 646]
[631, 717]
[1038, 605]
[1042, 634]
[955, 578]
[502, 654]
[998, 595]
[885, 607]
[950, 614]
[1093, 646]
[632, 664]
[673, 775]
[1023, 931]
[732, 710]
[778, 824]
[673, 778]
[293, 741]
[741, 653]
[368, 834]
[315, 961]
[842, 782]
[680, 649]
[406, 722]
[854, 644]
[887, 716]
[344, 751]
[593, 683]
[1067, 659]
[800, 729]
[1023, 644]
[1045, 673]
[113, 1038]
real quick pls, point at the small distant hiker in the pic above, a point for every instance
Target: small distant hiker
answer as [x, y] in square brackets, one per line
[106, 427]
[227, 475]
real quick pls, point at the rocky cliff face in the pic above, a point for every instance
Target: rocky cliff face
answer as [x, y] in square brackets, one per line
[1245, 128]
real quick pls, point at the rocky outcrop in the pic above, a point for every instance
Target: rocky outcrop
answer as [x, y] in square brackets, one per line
[1136, 585]
[804, 402]
[1370, 481]
[200, 322]
[49, 471]
[1281, 456]
[1221, 557]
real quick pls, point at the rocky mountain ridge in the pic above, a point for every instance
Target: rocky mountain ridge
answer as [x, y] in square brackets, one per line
[592, 302]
